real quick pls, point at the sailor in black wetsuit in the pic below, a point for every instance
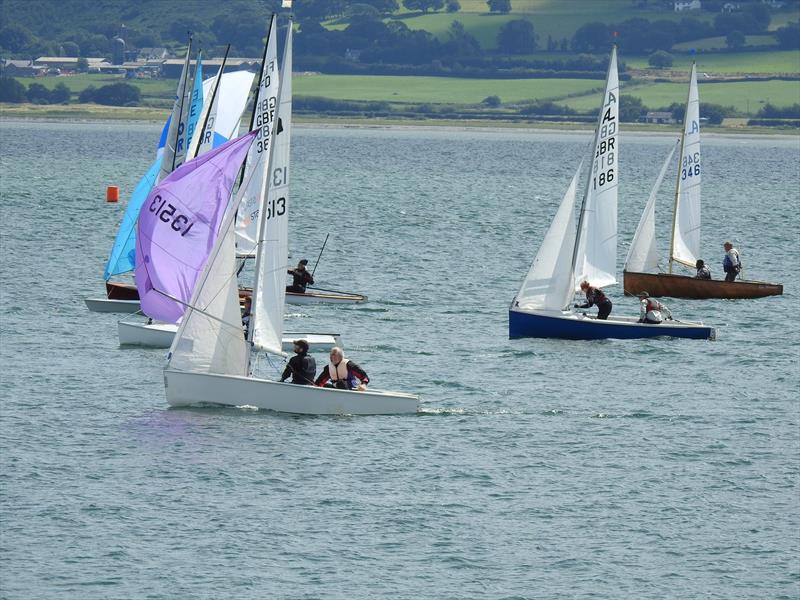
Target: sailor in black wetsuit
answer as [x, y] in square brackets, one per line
[596, 297]
[301, 367]
[300, 278]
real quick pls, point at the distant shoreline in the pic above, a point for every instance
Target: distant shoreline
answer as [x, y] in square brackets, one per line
[92, 112]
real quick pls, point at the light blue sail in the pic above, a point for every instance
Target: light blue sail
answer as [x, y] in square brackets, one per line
[123, 254]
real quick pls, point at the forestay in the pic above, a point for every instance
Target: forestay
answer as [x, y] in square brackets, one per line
[596, 254]
[178, 225]
[269, 285]
[256, 164]
[685, 247]
[548, 285]
[643, 253]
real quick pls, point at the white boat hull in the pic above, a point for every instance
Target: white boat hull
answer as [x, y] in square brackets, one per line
[106, 305]
[315, 297]
[188, 389]
[160, 335]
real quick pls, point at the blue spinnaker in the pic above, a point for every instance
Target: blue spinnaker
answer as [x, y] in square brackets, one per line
[123, 254]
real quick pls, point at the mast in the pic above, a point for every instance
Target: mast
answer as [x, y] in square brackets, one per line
[678, 176]
[611, 63]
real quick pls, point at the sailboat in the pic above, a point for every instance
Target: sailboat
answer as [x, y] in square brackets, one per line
[209, 360]
[642, 260]
[586, 251]
[122, 297]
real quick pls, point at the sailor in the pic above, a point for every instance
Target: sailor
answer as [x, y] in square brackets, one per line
[301, 367]
[300, 278]
[595, 296]
[650, 310]
[702, 270]
[246, 310]
[342, 373]
[731, 264]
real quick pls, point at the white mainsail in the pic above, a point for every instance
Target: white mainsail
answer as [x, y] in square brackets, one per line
[643, 253]
[177, 120]
[685, 247]
[263, 115]
[596, 254]
[269, 285]
[548, 285]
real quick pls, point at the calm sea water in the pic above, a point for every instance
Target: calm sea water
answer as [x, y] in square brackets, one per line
[537, 468]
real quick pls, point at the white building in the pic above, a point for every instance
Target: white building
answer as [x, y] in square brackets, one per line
[688, 5]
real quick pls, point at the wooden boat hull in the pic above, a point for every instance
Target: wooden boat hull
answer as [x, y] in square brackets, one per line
[682, 286]
[578, 326]
[160, 335]
[190, 389]
[121, 291]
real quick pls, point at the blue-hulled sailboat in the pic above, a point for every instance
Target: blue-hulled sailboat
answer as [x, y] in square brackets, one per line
[587, 251]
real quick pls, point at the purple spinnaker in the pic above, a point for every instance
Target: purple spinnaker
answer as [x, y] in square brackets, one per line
[178, 225]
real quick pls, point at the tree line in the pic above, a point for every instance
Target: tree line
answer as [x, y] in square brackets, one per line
[115, 94]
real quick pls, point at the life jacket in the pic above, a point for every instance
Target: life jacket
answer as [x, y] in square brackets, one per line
[341, 373]
[653, 311]
[597, 295]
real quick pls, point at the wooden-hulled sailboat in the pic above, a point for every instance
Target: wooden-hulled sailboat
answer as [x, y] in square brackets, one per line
[642, 261]
[570, 254]
[210, 361]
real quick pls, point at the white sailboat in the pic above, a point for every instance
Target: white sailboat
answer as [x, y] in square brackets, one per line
[641, 267]
[570, 254]
[209, 361]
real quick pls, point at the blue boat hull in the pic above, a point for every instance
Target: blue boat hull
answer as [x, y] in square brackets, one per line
[570, 326]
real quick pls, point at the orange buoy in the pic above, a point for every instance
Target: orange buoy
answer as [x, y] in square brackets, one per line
[112, 193]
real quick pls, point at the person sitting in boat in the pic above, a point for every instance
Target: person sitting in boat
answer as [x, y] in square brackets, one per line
[702, 270]
[301, 367]
[595, 296]
[246, 310]
[651, 310]
[301, 278]
[342, 373]
[731, 264]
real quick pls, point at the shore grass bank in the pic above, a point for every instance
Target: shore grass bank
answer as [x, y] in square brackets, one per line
[95, 112]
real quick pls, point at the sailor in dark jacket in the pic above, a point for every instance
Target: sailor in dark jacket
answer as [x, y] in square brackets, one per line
[595, 297]
[301, 367]
[300, 278]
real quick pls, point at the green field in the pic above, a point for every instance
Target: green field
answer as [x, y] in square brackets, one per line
[437, 89]
[151, 88]
[772, 62]
[560, 18]
[718, 43]
[744, 96]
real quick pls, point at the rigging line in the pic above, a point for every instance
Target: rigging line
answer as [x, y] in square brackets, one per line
[200, 310]
[320, 254]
